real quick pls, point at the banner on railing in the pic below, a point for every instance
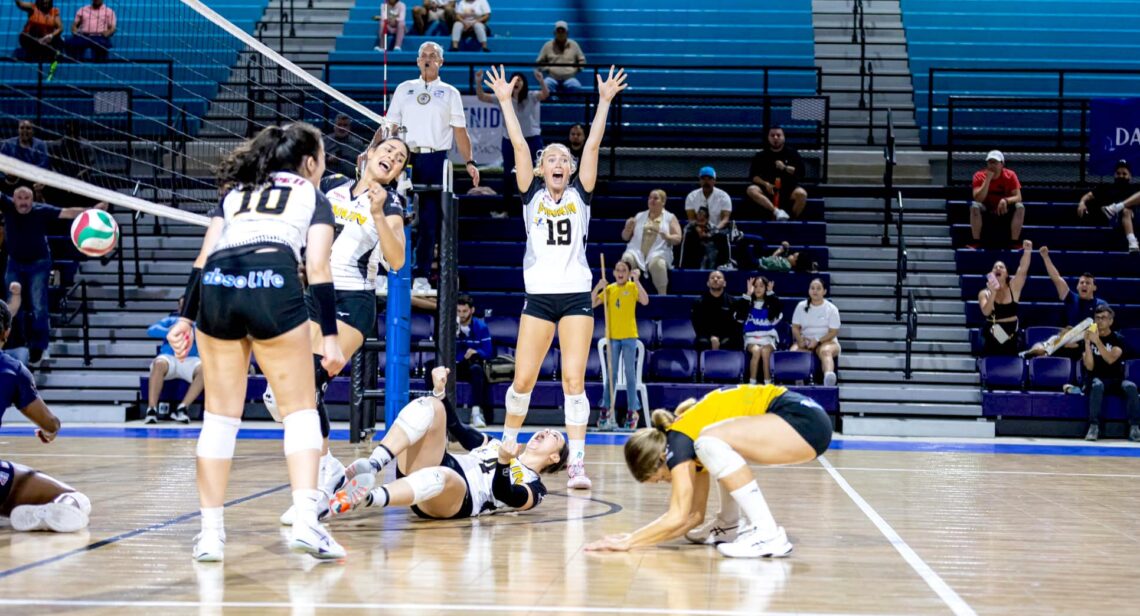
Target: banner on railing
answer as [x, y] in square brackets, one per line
[485, 127]
[1114, 133]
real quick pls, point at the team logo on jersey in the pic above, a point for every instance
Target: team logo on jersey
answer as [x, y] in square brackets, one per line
[564, 210]
[254, 280]
[423, 98]
[343, 214]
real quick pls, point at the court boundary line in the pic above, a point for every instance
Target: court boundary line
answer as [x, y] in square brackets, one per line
[132, 533]
[951, 598]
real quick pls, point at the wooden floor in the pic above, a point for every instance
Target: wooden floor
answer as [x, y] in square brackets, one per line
[927, 530]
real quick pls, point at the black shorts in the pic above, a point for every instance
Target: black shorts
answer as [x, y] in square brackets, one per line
[7, 480]
[553, 306]
[356, 308]
[806, 417]
[468, 505]
[256, 294]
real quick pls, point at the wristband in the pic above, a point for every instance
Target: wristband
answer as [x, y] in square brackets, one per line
[192, 295]
[470, 162]
[325, 296]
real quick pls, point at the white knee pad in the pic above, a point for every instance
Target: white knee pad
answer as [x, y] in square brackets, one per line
[80, 499]
[715, 454]
[426, 483]
[577, 407]
[218, 436]
[302, 431]
[416, 418]
[517, 404]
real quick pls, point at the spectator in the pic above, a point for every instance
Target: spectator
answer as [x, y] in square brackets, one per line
[998, 302]
[16, 345]
[528, 108]
[433, 12]
[997, 194]
[716, 317]
[41, 39]
[26, 225]
[471, 18]
[701, 246]
[1116, 201]
[27, 147]
[784, 259]
[652, 234]
[776, 173]
[709, 196]
[1103, 360]
[472, 350]
[92, 31]
[562, 50]
[621, 299]
[392, 15]
[73, 155]
[1079, 306]
[760, 335]
[166, 367]
[815, 328]
[576, 139]
[342, 147]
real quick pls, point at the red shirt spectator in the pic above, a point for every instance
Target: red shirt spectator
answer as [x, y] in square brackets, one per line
[1002, 186]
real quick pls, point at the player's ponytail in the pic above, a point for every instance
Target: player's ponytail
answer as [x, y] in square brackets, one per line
[645, 450]
[274, 148]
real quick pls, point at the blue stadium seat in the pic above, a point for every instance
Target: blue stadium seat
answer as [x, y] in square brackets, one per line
[674, 364]
[422, 326]
[1132, 370]
[1131, 337]
[677, 334]
[1002, 372]
[549, 367]
[1039, 333]
[792, 366]
[1049, 373]
[504, 330]
[722, 366]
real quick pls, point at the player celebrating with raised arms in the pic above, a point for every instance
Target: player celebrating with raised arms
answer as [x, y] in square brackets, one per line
[556, 212]
[246, 282]
[440, 486]
[718, 435]
[369, 214]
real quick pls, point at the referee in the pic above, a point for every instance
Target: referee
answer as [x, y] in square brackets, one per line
[432, 112]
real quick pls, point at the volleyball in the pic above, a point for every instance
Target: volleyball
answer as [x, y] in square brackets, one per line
[94, 233]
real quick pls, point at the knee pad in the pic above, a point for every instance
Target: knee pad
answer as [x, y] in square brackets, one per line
[715, 454]
[218, 436]
[577, 407]
[426, 483]
[416, 418]
[302, 431]
[80, 499]
[517, 404]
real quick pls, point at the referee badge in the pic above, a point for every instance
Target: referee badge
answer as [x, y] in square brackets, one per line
[423, 98]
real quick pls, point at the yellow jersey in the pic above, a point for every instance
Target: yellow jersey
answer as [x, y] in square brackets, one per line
[715, 407]
[621, 303]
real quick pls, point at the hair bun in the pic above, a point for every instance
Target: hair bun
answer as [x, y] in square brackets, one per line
[661, 420]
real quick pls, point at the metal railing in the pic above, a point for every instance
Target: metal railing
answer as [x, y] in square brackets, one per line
[911, 331]
[82, 310]
[889, 162]
[901, 260]
[866, 68]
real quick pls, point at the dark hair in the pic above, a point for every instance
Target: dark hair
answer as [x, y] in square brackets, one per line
[275, 148]
[807, 302]
[772, 128]
[465, 300]
[521, 96]
[1103, 308]
[1088, 275]
[378, 140]
[576, 125]
[563, 458]
[5, 317]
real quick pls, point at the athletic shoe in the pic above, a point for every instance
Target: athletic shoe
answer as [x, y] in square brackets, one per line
[713, 532]
[421, 285]
[287, 518]
[1133, 247]
[748, 544]
[1073, 390]
[782, 215]
[632, 420]
[477, 420]
[352, 495]
[578, 479]
[397, 49]
[315, 540]
[209, 546]
[377, 48]
[180, 415]
[151, 416]
[57, 517]
[361, 467]
[1093, 433]
[1109, 213]
[1134, 434]
[606, 421]
[829, 379]
[332, 476]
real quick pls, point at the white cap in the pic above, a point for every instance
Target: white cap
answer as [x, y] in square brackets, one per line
[996, 155]
[561, 24]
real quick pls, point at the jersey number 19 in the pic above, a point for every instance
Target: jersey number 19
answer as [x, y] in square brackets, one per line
[562, 238]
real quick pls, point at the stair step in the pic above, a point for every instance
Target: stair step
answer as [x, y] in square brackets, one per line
[845, 290]
[888, 252]
[924, 319]
[931, 333]
[888, 265]
[877, 217]
[919, 427]
[870, 361]
[897, 376]
[136, 364]
[53, 396]
[887, 305]
[116, 349]
[899, 346]
[912, 280]
[896, 392]
[87, 381]
[935, 409]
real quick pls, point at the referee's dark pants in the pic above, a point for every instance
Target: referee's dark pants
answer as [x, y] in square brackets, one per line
[427, 169]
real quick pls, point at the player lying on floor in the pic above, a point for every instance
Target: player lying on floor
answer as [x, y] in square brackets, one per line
[438, 485]
[30, 499]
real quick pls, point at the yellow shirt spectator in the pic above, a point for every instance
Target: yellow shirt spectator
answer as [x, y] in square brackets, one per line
[621, 300]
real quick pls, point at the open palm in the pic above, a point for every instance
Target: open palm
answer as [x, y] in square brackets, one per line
[612, 84]
[497, 81]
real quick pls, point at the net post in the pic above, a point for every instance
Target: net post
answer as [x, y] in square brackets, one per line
[398, 335]
[448, 278]
[356, 403]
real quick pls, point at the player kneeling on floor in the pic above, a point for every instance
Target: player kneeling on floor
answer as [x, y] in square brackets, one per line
[718, 435]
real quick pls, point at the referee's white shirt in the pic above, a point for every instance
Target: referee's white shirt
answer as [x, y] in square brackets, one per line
[429, 110]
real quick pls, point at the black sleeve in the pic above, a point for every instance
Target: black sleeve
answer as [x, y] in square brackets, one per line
[756, 168]
[394, 205]
[696, 317]
[322, 210]
[469, 438]
[587, 196]
[504, 490]
[678, 449]
[330, 182]
[536, 185]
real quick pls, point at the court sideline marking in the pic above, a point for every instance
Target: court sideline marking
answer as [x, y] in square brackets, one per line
[928, 575]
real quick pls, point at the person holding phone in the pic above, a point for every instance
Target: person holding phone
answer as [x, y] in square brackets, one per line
[998, 303]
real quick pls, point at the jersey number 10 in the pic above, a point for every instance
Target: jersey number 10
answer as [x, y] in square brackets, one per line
[562, 237]
[270, 201]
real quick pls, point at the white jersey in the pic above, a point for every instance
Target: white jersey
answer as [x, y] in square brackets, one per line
[479, 471]
[277, 212]
[556, 233]
[356, 257]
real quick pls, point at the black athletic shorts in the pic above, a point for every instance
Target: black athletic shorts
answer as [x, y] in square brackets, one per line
[553, 306]
[7, 479]
[806, 416]
[247, 293]
[357, 308]
[468, 505]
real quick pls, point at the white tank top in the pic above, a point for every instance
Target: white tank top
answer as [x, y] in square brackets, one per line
[555, 260]
[277, 212]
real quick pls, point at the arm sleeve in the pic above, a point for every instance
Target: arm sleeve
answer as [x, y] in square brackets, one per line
[979, 179]
[394, 205]
[322, 212]
[458, 118]
[578, 52]
[396, 109]
[503, 489]
[219, 211]
[542, 56]
[42, 157]
[1015, 184]
[402, 13]
[678, 449]
[483, 338]
[775, 309]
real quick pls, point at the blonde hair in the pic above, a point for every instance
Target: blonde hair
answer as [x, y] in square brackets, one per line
[555, 146]
[645, 450]
[660, 193]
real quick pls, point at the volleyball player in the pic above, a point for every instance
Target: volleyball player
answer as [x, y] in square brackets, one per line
[246, 281]
[440, 486]
[369, 214]
[718, 435]
[32, 500]
[556, 212]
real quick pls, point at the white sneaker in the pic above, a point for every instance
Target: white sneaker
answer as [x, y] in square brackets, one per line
[782, 215]
[477, 420]
[287, 518]
[749, 544]
[209, 546]
[578, 479]
[332, 476]
[56, 517]
[829, 379]
[421, 284]
[353, 493]
[270, 402]
[1133, 246]
[315, 540]
[361, 467]
[180, 416]
[713, 532]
